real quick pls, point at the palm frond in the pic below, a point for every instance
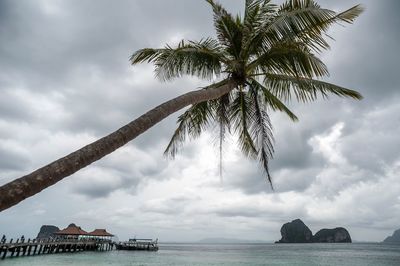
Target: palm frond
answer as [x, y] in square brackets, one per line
[240, 115]
[191, 123]
[313, 35]
[292, 58]
[261, 131]
[222, 110]
[228, 29]
[271, 100]
[146, 55]
[305, 20]
[222, 117]
[304, 89]
[202, 59]
[257, 14]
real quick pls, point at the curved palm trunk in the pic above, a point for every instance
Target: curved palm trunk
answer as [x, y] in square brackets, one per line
[15, 191]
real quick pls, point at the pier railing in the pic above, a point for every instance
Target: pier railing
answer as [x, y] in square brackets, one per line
[51, 246]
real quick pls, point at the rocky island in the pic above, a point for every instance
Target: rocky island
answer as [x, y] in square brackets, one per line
[47, 231]
[336, 235]
[394, 239]
[297, 232]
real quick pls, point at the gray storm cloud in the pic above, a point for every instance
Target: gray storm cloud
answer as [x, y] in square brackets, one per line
[65, 80]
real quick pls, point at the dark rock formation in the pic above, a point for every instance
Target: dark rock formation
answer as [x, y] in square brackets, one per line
[47, 231]
[295, 232]
[336, 235]
[394, 239]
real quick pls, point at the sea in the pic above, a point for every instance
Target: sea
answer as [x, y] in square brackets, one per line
[356, 254]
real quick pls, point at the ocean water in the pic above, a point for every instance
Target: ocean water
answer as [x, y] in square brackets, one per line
[230, 254]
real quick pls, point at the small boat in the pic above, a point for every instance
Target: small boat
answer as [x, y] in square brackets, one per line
[138, 244]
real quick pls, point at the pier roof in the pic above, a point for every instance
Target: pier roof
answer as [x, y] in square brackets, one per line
[100, 232]
[72, 229]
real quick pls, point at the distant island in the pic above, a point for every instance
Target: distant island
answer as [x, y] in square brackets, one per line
[393, 239]
[297, 232]
[47, 231]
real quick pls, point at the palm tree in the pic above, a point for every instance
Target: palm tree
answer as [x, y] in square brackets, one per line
[262, 60]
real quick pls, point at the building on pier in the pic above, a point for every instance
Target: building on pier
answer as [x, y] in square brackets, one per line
[72, 232]
[100, 234]
[76, 232]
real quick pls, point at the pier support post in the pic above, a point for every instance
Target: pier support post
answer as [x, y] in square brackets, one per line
[40, 248]
[4, 253]
[29, 247]
[34, 249]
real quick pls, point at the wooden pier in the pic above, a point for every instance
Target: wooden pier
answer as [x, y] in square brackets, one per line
[51, 246]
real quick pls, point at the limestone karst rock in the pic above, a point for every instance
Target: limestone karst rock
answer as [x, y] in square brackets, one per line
[393, 239]
[336, 235]
[295, 232]
[47, 231]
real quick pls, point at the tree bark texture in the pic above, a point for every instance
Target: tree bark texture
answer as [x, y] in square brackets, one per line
[19, 189]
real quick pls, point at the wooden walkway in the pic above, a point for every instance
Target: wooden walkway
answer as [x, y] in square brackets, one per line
[51, 246]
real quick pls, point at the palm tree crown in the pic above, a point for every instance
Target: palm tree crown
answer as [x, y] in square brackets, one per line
[271, 54]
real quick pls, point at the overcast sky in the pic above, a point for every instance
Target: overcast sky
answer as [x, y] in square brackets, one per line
[65, 81]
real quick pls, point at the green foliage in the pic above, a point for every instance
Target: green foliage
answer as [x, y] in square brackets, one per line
[272, 53]
[203, 59]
